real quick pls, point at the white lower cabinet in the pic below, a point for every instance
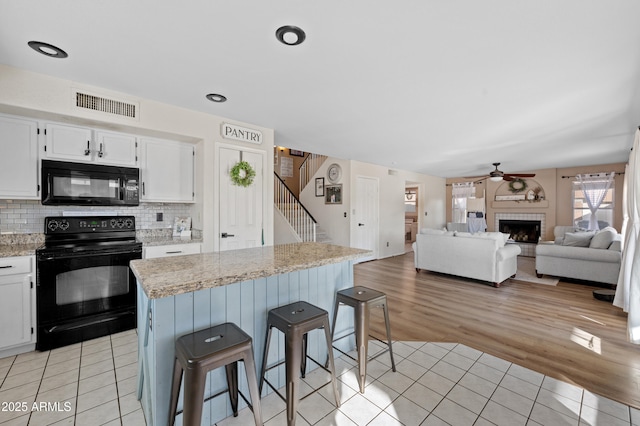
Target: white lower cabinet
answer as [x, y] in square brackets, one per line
[17, 304]
[171, 250]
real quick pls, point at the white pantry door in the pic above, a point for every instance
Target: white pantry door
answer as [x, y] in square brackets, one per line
[366, 216]
[241, 214]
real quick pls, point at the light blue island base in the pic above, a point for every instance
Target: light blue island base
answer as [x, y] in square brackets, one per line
[161, 321]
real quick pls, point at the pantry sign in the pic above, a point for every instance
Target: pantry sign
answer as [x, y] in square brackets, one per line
[230, 131]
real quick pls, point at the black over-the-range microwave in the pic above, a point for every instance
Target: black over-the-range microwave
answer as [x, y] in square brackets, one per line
[80, 184]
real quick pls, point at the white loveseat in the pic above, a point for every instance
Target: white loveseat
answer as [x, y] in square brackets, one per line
[482, 256]
[581, 255]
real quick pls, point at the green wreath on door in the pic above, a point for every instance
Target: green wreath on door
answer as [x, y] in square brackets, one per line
[242, 174]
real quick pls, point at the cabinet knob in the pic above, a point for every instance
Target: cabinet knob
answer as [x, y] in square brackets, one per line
[88, 150]
[100, 153]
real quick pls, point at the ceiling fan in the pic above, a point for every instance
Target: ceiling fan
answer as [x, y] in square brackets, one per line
[498, 175]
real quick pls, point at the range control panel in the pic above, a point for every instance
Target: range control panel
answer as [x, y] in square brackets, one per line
[88, 224]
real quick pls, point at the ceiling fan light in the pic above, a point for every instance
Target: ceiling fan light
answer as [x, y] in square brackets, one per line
[495, 178]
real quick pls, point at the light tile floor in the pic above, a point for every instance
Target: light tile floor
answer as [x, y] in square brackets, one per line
[90, 383]
[94, 383]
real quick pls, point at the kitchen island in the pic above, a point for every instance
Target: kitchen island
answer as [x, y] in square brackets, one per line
[183, 294]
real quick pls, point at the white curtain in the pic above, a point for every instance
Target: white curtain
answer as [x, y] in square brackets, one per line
[595, 188]
[460, 193]
[628, 290]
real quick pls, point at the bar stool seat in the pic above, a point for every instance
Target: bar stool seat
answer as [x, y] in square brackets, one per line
[205, 350]
[295, 321]
[362, 299]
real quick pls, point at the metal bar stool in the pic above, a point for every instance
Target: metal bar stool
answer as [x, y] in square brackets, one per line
[205, 350]
[295, 321]
[361, 299]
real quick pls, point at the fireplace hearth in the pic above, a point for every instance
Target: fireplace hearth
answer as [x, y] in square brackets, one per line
[521, 231]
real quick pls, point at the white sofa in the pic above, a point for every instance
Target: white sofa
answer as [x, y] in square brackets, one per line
[581, 255]
[482, 256]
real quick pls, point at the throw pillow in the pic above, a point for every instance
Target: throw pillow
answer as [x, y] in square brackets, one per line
[577, 239]
[603, 238]
[431, 231]
[463, 234]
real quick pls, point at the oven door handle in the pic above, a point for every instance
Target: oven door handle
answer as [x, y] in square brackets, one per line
[85, 254]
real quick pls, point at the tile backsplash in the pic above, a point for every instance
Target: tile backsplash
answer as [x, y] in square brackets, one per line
[27, 216]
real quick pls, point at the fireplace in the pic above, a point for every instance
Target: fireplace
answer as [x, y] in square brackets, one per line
[521, 231]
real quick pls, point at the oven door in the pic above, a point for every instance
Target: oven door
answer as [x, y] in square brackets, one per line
[84, 295]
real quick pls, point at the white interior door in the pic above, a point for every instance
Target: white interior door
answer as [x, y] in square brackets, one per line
[366, 215]
[241, 215]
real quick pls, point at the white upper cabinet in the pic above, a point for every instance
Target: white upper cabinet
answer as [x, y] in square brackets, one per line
[71, 143]
[81, 144]
[116, 149]
[18, 158]
[167, 171]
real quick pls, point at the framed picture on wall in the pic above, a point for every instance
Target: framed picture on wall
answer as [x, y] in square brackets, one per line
[296, 153]
[333, 194]
[319, 187]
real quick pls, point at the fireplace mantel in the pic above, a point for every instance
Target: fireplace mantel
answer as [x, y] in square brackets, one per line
[542, 204]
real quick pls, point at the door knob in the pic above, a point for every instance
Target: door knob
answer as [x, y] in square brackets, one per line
[361, 224]
[225, 235]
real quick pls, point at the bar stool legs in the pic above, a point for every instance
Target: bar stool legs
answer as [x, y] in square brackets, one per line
[205, 350]
[295, 321]
[362, 299]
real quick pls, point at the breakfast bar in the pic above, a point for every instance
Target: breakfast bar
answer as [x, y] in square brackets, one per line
[183, 294]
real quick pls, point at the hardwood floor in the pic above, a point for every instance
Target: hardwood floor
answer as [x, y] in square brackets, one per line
[560, 331]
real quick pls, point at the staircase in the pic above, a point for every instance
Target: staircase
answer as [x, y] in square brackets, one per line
[292, 209]
[309, 168]
[322, 236]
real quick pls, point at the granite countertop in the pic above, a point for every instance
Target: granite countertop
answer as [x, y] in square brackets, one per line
[170, 276]
[18, 250]
[20, 244]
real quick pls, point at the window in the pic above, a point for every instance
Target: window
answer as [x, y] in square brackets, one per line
[410, 199]
[600, 191]
[459, 194]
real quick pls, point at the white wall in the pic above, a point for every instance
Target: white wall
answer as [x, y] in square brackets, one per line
[41, 96]
[331, 216]
[391, 195]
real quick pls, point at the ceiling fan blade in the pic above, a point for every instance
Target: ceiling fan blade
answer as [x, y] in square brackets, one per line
[520, 174]
[507, 177]
[476, 177]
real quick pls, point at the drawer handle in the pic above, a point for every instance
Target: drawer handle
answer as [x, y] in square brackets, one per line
[6, 267]
[173, 252]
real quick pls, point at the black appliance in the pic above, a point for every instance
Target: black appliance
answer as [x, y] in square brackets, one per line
[79, 184]
[86, 288]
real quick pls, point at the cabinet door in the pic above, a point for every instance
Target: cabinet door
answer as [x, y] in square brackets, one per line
[167, 171]
[171, 250]
[19, 158]
[116, 149]
[15, 310]
[71, 143]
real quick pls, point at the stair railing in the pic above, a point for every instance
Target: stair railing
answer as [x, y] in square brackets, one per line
[309, 167]
[292, 209]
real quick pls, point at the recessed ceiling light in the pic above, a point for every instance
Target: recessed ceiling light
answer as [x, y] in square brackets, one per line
[47, 49]
[290, 35]
[214, 97]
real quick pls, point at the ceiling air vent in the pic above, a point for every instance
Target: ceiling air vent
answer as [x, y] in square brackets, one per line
[97, 103]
